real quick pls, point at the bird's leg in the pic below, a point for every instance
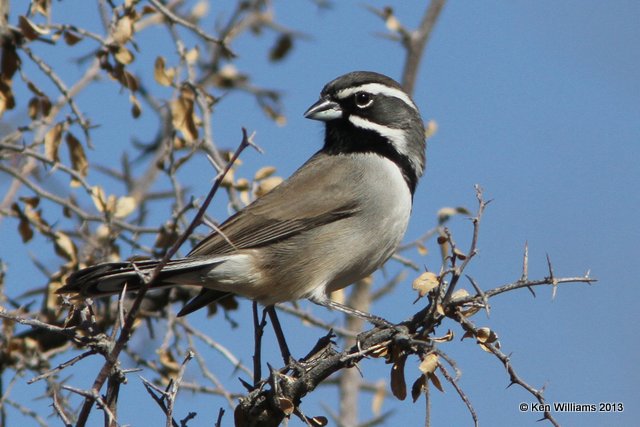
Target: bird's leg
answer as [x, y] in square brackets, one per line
[277, 329]
[371, 318]
[258, 325]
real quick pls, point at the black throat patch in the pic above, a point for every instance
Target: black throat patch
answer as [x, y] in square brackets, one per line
[342, 137]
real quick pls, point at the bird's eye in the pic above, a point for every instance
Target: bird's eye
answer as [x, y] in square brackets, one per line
[363, 99]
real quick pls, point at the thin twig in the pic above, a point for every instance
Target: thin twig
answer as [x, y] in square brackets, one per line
[127, 328]
[515, 378]
[61, 366]
[258, 332]
[454, 382]
[174, 386]
[417, 43]
[180, 21]
[225, 352]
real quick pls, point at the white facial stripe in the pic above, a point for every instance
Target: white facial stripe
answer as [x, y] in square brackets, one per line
[377, 89]
[395, 136]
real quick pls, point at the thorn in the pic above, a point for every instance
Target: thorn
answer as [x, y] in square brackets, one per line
[485, 300]
[525, 263]
[532, 291]
[121, 304]
[246, 385]
[478, 189]
[552, 278]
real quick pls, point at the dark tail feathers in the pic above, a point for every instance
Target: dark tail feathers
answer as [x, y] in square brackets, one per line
[110, 278]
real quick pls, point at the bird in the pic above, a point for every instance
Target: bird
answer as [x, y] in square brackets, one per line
[334, 221]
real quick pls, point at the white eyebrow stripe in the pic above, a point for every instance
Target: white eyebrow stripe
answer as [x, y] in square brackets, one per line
[377, 89]
[397, 137]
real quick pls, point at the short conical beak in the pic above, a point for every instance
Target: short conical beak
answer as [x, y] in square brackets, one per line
[324, 110]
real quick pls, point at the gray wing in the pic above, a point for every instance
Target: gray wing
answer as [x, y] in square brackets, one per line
[315, 195]
[318, 193]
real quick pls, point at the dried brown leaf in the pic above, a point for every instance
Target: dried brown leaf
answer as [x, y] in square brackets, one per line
[148, 10]
[378, 398]
[245, 197]
[418, 386]
[429, 364]
[65, 247]
[77, 156]
[99, 198]
[35, 218]
[283, 46]
[228, 179]
[124, 206]
[32, 202]
[71, 38]
[170, 366]
[264, 172]
[467, 334]
[183, 116]
[229, 77]
[286, 405]
[445, 338]
[41, 6]
[24, 227]
[33, 107]
[192, 55]
[398, 383]
[9, 63]
[430, 129]
[446, 213]
[7, 100]
[29, 29]
[486, 335]
[459, 254]
[123, 30]
[123, 55]
[426, 282]
[318, 421]
[422, 249]
[242, 184]
[392, 23]
[200, 9]
[459, 294]
[436, 381]
[52, 142]
[163, 76]
[380, 352]
[136, 109]
[128, 80]
[470, 311]
[45, 106]
[39, 106]
[166, 237]
[267, 185]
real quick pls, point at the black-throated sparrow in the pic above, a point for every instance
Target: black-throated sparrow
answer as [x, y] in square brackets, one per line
[334, 221]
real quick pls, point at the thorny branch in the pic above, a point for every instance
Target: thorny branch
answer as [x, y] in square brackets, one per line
[29, 156]
[127, 327]
[414, 336]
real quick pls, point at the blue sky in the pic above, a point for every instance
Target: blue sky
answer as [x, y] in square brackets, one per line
[539, 103]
